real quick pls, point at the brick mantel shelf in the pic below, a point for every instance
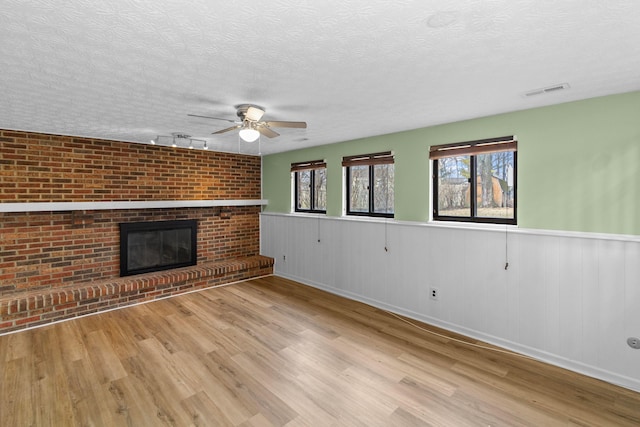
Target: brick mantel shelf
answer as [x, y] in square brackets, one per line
[109, 205]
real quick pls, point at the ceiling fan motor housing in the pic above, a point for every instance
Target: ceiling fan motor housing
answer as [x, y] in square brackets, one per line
[243, 109]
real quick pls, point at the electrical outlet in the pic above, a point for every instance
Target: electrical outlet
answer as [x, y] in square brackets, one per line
[434, 293]
[634, 342]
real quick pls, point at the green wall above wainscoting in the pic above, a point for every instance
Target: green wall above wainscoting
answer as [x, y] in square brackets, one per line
[578, 165]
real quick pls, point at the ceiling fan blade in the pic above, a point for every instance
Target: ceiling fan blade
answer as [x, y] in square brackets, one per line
[226, 130]
[209, 117]
[269, 133]
[254, 114]
[301, 125]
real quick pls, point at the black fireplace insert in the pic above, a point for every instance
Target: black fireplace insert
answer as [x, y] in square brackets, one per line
[157, 245]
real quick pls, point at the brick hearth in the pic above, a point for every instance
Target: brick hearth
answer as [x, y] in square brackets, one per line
[33, 308]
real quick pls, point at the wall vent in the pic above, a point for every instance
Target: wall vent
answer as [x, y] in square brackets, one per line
[548, 89]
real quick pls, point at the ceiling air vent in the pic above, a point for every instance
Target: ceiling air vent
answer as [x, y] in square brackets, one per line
[548, 89]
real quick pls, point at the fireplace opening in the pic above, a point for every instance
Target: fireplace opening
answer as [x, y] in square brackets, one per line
[157, 245]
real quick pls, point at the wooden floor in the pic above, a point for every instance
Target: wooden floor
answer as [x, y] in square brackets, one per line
[273, 352]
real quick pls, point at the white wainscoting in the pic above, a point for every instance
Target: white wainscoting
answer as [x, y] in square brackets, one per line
[570, 299]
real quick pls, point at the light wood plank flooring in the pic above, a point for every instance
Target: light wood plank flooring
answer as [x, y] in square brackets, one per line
[271, 352]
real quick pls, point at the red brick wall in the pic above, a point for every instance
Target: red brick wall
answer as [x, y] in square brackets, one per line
[45, 168]
[49, 249]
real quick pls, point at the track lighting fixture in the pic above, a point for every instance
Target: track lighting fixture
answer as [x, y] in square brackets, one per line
[174, 140]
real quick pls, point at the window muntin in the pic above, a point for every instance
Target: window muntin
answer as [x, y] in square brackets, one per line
[475, 181]
[310, 184]
[370, 184]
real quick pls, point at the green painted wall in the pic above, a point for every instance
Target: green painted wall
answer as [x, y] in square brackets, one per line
[578, 165]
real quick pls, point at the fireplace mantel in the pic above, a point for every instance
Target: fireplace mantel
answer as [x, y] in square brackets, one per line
[137, 204]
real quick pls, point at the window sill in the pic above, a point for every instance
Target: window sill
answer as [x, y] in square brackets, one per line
[471, 225]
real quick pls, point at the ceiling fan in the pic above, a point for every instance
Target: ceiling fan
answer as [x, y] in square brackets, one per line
[250, 124]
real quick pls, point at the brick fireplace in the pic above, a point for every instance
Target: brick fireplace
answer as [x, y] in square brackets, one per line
[151, 246]
[74, 250]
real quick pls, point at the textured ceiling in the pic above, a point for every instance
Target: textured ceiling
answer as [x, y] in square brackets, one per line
[130, 70]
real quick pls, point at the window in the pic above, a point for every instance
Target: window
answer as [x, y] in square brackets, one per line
[310, 186]
[370, 184]
[475, 181]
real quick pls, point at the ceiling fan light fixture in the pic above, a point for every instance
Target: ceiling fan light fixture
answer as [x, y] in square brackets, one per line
[250, 126]
[249, 134]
